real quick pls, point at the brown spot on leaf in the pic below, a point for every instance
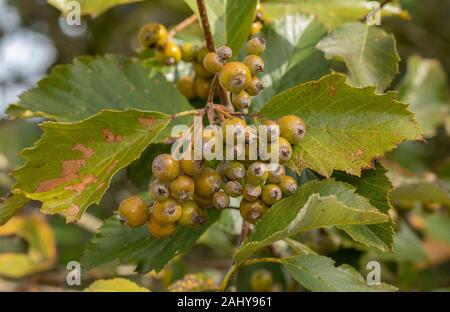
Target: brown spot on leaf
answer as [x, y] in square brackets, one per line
[112, 166]
[359, 153]
[332, 90]
[79, 187]
[146, 121]
[72, 213]
[70, 170]
[111, 137]
[87, 152]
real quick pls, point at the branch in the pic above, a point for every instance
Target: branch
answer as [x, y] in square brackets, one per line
[182, 25]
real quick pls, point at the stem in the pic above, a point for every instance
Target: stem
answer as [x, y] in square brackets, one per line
[382, 4]
[188, 113]
[182, 25]
[224, 95]
[244, 232]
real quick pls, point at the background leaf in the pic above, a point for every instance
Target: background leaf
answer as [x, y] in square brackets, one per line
[376, 187]
[291, 56]
[230, 20]
[92, 7]
[318, 273]
[315, 205]
[72, 165]
[368, 51]
[115, 285]
[346, 127]
[10, 205]
[332, 13]
[424, 87]
[115, 242]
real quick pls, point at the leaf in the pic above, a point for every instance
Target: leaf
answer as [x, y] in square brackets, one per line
[315, 205]
[299, 248]
[71, 167]
[115, 285]
[10, 205]
[230, 20]
[332, 13]
[424, 87]
[437, 226]
[376, 187]
[368, 51]
[421, 192]
[346, 127]
[127, 245]
[91, 84]
[318, 274]
[41, 253]
[291, 56]
[92, 7]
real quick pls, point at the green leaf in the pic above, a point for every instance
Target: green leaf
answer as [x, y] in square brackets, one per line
[115, 285]
[77, 91]
[10, 205]
[437, 226]
[127, 245]
[291, 56]
[424, 87]
[315, 205]
[368, 51]
[230, 20]
[318, 274]
[423, 192]
[92, 7]
[332, 13]
[376, 187]
[299, 248]
[71, 167]
[346, 127]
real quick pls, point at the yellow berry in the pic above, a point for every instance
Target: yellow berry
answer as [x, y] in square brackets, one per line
[152, 35]
[235, 77]
[134, 211]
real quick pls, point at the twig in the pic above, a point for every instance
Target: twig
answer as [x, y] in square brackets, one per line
[224, 95]
[182, 25]
[382, 4]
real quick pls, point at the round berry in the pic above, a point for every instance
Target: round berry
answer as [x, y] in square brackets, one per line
[160, 230]
[241, 100]
[201, 72]
[259, 12]
[187, 52]
[191, 214]
[256, 28]
[256, 46]
[284, 150]
[276, 171]
[252, 211]
[288, 185]
[200, 54]
[182, 187]
[168, 211]
[271, 194]
[212, 62]
[251, 192]
[133, 211]
[186, 87]
[169, 54]
[261, 280]
[152, 35]
[255, 63]
[165, 168]
[234, 77]
[234, 125]
[273, 130]
[159, 191]
[207, 183]
[203, 202]
[233, 189]
[224, 52]
[292, 128]
[234, 170]
[201, 87]
[257, 173]
[191, 167]
[221, 200]
[255, 86]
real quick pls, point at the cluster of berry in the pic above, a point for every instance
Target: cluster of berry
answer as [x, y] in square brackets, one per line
[156, 36]
[258, 22]
[183, 190]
